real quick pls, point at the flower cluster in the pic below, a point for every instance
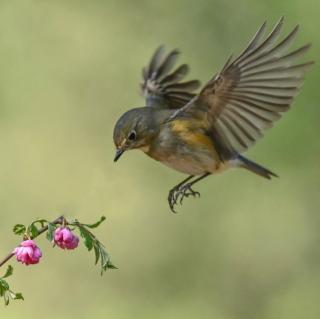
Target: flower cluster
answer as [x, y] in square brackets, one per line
[60, 232]
[29, 253]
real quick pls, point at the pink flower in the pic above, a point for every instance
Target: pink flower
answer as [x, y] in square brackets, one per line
[28, 252]
[65, 238]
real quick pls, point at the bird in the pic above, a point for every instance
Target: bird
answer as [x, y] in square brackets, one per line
[205, 133]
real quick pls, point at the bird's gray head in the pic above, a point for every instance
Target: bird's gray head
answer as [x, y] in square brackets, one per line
[134, 130]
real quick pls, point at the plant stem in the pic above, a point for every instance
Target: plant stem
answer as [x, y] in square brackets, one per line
[4, 260]
[58, 220]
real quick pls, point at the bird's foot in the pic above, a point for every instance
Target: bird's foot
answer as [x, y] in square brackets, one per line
[178, 193]
[186, 191]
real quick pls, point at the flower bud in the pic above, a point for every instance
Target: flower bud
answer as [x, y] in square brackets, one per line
[65, 238]
[28, 252]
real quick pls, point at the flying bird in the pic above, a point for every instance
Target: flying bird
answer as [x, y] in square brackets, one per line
[207, 133]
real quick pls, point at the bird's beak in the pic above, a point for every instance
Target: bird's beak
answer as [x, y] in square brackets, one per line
[119, 152]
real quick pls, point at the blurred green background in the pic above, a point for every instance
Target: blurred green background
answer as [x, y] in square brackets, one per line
[249, 248]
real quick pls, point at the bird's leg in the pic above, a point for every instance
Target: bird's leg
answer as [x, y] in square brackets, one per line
[186, 190]
[172, 197]
[183, 190]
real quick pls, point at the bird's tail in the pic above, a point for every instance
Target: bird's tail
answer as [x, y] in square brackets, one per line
[254, 167]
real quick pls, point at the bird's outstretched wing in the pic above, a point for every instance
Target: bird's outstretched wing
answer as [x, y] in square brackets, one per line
[161, 86]
[251, 91]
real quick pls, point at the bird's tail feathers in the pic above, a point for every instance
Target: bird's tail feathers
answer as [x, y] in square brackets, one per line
[254, 167]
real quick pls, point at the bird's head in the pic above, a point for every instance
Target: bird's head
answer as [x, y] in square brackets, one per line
[134, 130]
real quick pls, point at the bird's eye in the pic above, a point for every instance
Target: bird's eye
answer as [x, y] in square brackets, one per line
[132, 136]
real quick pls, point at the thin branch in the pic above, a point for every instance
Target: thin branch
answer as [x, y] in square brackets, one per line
[4, 260]
[58, 220]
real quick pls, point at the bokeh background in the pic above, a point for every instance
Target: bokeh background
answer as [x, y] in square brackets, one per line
[249, 248]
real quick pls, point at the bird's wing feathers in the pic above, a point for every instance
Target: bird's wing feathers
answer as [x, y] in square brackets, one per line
[251, 92]
[163, 87]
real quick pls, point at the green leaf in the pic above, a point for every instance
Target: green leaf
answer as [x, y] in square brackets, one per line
[19, 229]
[4, 288]
[42, 222]
[8, 272]
[2, 291]
[105, 259]
[6, 298]
[96, 252]
[88, 237]
[110, 265]
[16, 296]
[95, 225]
[33, 230]
[4, 284]
[50, 232]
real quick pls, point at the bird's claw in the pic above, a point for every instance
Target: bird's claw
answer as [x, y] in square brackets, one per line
[186, 191]
[177, 194]
[172, 199]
